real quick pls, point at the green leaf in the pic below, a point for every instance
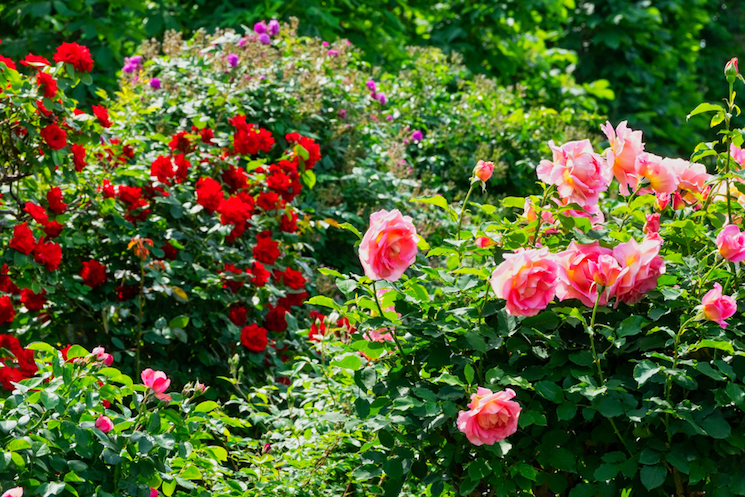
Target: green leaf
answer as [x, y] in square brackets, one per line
[469, 373]
[51, 488]
[348, 361]
[179, 322]
[653, 476]
[45, 347]
[323, 302]
[169, 487]
[309, 178]
[349, 227]
[549, 390]
[18, 444]
[566, 411]
[705, 107]
[518, 202]
[76, 351]
[606, 472]
[207, 406]
[631, 326]
[645, 370]
[191, 473]
[367, 471]
[714, 344]
[716, 427]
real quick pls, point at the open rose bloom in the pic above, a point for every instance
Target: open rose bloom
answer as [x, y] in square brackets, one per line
[526, 280]
[625, 146]
[158, 382]
[717, 307]
[731, 243]
[580, 175]
[491, 417]
[389, 246]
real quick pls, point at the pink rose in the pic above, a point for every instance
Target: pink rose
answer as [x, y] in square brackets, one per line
[730, 70]
[484, 242]
[153, 492]
[692, 179]
[104, 424]
[526, 280]
[483, 170]
[731, 243]
[662, 201]
[718, 307]
[492, 416]
[625, 146]
[389, 246]
[678, 202]
[103, 356]
[13, 492]
[158, 382]
[738, 154]
[660, 172]
[579, 174]
[641, 265]
[379, 335]
[582, 268]
[652, 225]
[591, 212]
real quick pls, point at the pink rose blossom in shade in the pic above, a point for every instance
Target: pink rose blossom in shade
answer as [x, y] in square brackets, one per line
[691, 179]
[580, 175]
[485, 242]
[625, 146]
[389, 245]
[491, 417]
[13, 492]
[641, 265]
[731, 243]
[332, 53]
[660, 173]
[652, 225]
[582, 268]
[526, 280]
[104, 424]
[738, 154]
[273, 27]
[103, 356]
[718, 307]
[158, 382]
[325, 44]
[483, 170]
[662, 201]
[153, 492]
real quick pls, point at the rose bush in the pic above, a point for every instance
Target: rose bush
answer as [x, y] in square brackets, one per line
[597, 336]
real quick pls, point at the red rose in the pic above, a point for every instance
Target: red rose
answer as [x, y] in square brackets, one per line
[43, 110]
[170, 252]
[232, 284]
[288, 222]
[266, 249]
[235, 178]
[56, 200]
[8, 374]
[8, 62]
[77, 55]
[318, 328]
[33, 301]
[78, 157]
[179, 141]
[270, 201]
[313, 149]
[278, 180]
[127, 292]
[37, 212]
[254, 338]
[260, 276]
[275, 319]
[162, 168]
[7, 313]
[234, 211]
[249, 141]
[293, 300]
[205, 134]
[53, 229]
[23, 239]
[49, 254]
[237, 315]
[102, 114]
[47, 83]
[182, 168]
[209, 194]
[93, 273]
[6, 284]
[54, 136]
[291, 278]
[34, 61]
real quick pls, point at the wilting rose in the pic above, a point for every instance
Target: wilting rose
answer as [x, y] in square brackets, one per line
[579, 174]
[526, 280]
[718, 307]
[731, 243]
[491, 417]
[625, 146]
[389, 246]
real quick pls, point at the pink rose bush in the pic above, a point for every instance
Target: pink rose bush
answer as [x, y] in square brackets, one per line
[491, 417]
[389, 246]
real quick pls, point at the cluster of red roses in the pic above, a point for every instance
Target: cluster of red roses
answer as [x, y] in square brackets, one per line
[19, 365]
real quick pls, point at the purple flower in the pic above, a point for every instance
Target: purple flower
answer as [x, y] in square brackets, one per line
[264, 39]
[155, 84]
[382, 98]
[389, 117]
[370, 85]
[342, 113]
[417, 136]
[325, 43]
[273, 27]
[232, 59]
[132, 64]
[332, 53]
[242, 42]
[260, 28]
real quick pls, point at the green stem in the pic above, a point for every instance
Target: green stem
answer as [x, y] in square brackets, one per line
[486, 299]
[462, 212]
[591, 332]
[539, 214]
[393, 332]
[730, 104]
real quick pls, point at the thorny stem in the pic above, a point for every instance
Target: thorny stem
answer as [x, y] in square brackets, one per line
[393, 331]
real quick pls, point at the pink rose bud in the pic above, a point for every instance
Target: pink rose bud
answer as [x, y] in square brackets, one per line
[104, 424]
[389, 246]
[730, 70]
[653, 223]
[199, 387]
[491, 417]
[731, 243]
[153, 492]
[662, 201]
[103, 356]
[484, 242]
[526, 280]
[718, 307]
[158, 382]
[678, 202]
[13, 492]
[266, 448]
[483, 170]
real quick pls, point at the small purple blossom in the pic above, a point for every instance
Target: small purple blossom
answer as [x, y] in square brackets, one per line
[264, 39]
[232, 59]
[155, 84]
[381, 98]
[389, 117]
[371, 85]
[342, 113]
[325, 43]
[273, 27]
[332, 53]
[242, 42]
[260, 28]
[417, 136]
[132, 64]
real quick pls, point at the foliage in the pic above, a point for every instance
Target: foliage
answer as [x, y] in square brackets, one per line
[640, 395]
